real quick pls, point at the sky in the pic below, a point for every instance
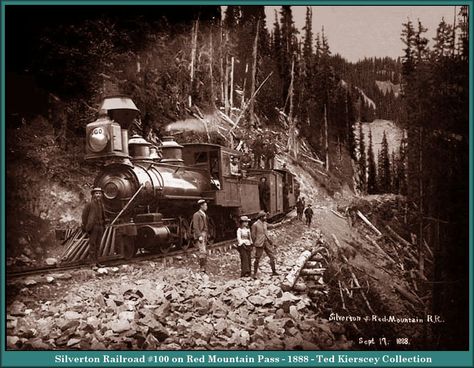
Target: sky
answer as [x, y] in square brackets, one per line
[356, 32]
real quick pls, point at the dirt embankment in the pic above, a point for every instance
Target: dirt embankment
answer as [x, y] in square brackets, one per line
[46, 188]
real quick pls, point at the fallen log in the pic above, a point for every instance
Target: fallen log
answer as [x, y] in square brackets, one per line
[342, 296]
[313, 264]
[312, 271]
[411, 297]
[293, 275]
[428, 248]
[374, 243]
[338, 214]
[368, 223]
[398, 237]
[312, 159]
[300, 286]
[354, 278]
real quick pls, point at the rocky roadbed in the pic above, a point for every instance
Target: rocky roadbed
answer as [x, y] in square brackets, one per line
[150, 305]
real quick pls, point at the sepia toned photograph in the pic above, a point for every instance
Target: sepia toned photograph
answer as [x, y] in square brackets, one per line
[232, 177]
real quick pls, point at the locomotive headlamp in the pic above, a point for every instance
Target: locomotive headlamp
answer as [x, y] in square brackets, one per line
[111, 190]
[98, 139]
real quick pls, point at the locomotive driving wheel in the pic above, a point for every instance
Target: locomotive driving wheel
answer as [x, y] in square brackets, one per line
[186, 239]
[211, 231]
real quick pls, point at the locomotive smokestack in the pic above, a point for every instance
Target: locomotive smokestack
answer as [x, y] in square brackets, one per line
[172, 152]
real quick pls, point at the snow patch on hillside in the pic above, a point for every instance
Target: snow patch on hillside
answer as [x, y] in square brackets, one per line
[367, 100]
[393, 132]
[387, 86]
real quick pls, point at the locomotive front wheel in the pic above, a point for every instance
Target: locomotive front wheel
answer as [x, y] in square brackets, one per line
[128, 247]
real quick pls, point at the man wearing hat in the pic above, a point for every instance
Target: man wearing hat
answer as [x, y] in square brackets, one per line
[93, 221]
[308, 213]
[200, 231]
[264, 194]
[262, 242]
[234, 166]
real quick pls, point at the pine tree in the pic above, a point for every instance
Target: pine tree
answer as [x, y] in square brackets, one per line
[444, 41]
[384, 173]
[362, 164]
[371, 168]
[308, 36]
[401, 172]
[463, 45]
[277, 44]
[395, 180]
[232, 16]
[408, 60]
[350, 118]
[289, 45]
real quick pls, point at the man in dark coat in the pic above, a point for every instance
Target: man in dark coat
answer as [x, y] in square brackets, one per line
[299, 208]
[93, 222]
[200, 233]
[264, 194]
[308, 213]
[262, 243]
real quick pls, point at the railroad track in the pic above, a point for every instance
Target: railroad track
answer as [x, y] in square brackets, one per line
[116, 260]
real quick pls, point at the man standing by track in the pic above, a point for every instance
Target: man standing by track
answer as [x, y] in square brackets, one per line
[93, 222]
[262, 242]
[200, 233]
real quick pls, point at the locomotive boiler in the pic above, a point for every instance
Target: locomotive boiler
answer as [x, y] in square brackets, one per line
[150, 191]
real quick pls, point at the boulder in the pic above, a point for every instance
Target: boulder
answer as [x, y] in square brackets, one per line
[127, 315]
[72, 315]
[159, 332]
[30, 282]
[67, 324]
[120, 325]
[12, 342]
[17, 308]
[72, 342]
[51, 261]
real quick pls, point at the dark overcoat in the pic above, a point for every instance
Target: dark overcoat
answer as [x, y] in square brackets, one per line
[93, 214]
[200, 224]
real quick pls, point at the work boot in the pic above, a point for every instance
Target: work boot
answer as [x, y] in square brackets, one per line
[255, 269]
[272, 265]
[202, 265]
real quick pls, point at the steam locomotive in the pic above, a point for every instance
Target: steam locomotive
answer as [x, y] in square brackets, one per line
[150, 192]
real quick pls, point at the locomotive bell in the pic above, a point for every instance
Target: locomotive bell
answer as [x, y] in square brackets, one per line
[172, 152]
[154, 153]
[139, 148]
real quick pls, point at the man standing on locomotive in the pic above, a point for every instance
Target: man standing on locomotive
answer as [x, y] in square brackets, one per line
[264, 194]
[93, 221]
[200, 233]
[262, 242]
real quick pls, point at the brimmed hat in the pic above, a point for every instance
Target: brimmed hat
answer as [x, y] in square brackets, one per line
[244, 219]
[97, 189]
[261, 214]
[201, 201]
